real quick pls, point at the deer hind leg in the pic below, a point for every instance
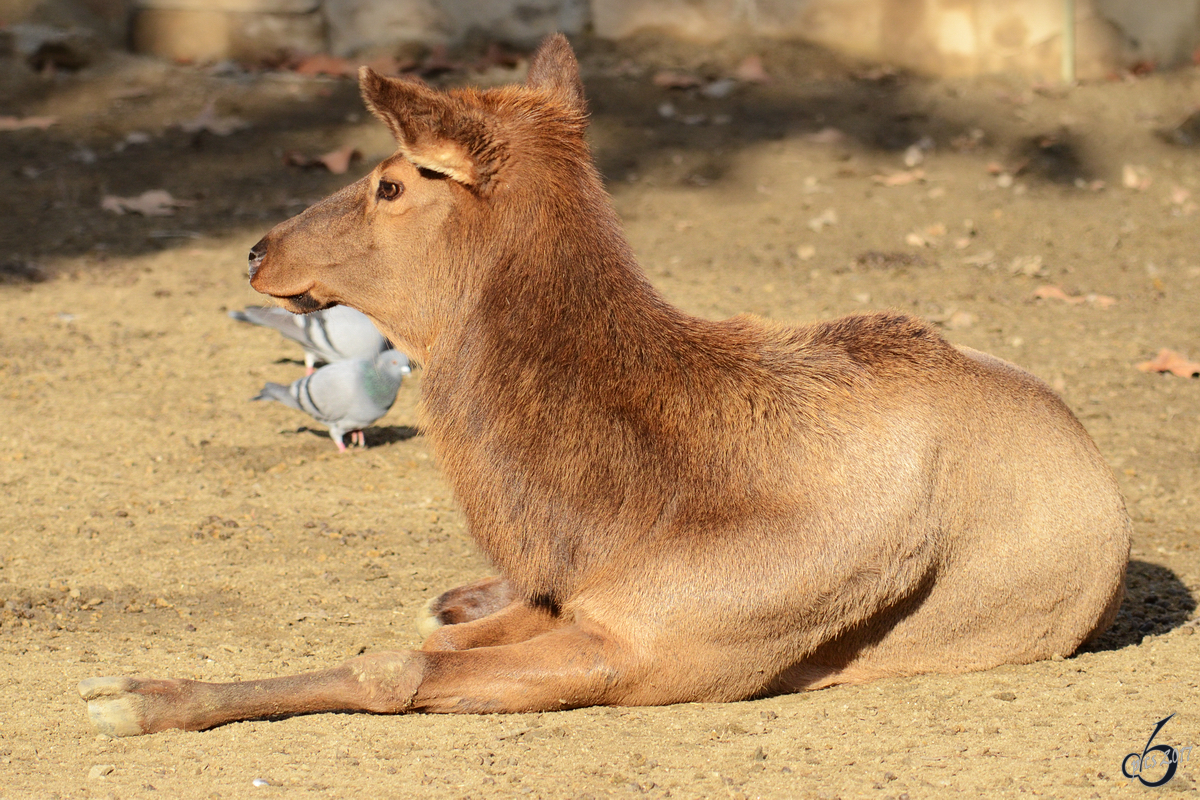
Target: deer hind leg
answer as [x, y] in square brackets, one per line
[465, 603]
[516, 622]
[567, 667]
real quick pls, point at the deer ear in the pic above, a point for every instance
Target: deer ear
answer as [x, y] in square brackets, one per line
[434, 131]
[555, 71]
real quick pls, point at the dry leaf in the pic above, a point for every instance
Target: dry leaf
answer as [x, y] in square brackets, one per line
[1057, 293]
[336, 161]
[1172, 362]
[24, 123]
[751, 71]
[324, 64]
[154, 203]
[900, 178]
[207, 120]
[670, 79]
[390, 65]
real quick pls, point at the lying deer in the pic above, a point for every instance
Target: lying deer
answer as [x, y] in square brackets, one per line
[679, 510]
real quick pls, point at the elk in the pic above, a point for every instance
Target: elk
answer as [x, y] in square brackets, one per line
[677, 509]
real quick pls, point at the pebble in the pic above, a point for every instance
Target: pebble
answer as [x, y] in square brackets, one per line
[100, 771]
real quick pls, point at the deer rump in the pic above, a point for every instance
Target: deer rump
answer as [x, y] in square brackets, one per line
[678, 509]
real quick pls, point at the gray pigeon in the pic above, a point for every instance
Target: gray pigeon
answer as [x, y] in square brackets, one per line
[328, 336]
[346, 395]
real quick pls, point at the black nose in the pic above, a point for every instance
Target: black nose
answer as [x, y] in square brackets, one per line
[257, 254]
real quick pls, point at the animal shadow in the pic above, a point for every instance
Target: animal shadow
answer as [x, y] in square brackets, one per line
[376, 436]
[1156, 601]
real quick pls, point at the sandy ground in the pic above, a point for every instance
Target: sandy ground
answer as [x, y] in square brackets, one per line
[154, 522]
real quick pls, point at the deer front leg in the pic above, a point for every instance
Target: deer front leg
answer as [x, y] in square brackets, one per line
[563, 668]
[133, 706]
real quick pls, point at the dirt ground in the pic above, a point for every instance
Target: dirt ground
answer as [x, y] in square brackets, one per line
[154, 522]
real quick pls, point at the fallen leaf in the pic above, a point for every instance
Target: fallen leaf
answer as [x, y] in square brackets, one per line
[1172, 362]
[751, 70]
[1057, 293]
[671, 79]
[390, 65]
[24, 123]
[153, 203]
[336, 161]
[207, 120]
[900, 178]
[324, 64]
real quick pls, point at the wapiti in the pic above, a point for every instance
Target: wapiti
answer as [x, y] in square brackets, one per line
[679, 510]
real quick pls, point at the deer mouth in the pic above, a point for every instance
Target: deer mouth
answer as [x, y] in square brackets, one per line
[305, 303]
[302, 302]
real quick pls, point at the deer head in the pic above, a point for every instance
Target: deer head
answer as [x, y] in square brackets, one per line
[411, 242]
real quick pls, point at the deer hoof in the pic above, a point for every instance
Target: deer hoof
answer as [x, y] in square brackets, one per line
[427, 620]
[114, 707]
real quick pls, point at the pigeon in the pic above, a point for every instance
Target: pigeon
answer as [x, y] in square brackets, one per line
[346, 395]
[328, 336]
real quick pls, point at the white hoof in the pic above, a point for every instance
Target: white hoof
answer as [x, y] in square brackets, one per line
[113, 707]
[427, 621]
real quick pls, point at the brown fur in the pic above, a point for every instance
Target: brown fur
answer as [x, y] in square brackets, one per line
[680, 510]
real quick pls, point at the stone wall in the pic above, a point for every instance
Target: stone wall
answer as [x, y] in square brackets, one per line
[943, 37]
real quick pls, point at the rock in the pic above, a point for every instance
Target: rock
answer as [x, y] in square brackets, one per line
[100, 771]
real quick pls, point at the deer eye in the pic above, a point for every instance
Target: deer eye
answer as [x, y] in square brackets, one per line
[388, 190]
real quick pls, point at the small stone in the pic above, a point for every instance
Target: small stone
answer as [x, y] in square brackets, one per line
[99, 771]
[1007, 697]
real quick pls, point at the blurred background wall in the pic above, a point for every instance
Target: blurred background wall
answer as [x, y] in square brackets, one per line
[940, 37]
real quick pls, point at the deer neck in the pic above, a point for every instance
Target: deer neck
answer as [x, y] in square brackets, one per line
[565, 340]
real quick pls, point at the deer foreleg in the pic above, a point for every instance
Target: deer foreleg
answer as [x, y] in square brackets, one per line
[564, 668]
